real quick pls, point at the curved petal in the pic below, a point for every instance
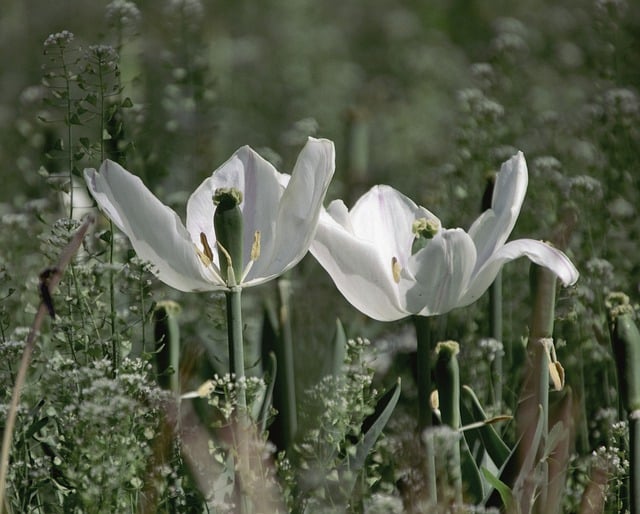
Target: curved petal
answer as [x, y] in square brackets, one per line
[357, 270]
[298, 212]
[155, 231]
[440, 271]
[260, 185]
[541, 253]
[384, 217]
[493, 227]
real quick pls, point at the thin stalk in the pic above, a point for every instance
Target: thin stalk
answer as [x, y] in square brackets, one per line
[495, 329]
[236, 366]
[634, 465]
[625, 342]
[535, 396]
[236, 345]
[67, 83]
[285, 356]
[424, 342]
[424, 350]
[112, 301]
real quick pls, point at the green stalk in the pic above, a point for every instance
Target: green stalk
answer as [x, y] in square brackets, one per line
[495, 329]
[625, 341]
[447, 375]
[236, 366]
[534, 400]
[495, 305]
[285, 356]
[236, 344]
[423, 336]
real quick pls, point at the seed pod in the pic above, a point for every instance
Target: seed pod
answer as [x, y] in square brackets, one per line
[227, 223]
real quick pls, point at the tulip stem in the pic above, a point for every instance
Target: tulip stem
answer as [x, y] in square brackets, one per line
[423, 337]
[236, 345]
[285, 355]
[236, 366]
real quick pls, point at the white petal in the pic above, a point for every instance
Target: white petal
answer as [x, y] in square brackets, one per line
[541, 253]
[358, 270]
[297, 216]
[259, 182]
[384, 217]
[493, 227]
[155, 231]
[440, 271]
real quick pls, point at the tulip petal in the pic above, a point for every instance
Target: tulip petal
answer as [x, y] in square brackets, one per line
[155, 231]
[258, 180]
[539, 252]
[357, 269]
[298, 212]
[384, 217]
[438, 273]
[490, 231]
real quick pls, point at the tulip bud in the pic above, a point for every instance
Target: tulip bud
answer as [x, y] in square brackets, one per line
[227, 223]
[447, 376]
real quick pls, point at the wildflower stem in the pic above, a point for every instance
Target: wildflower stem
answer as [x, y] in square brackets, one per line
[43, 311]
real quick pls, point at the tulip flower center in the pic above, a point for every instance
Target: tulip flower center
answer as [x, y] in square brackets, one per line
[228, 227]
[424, 230]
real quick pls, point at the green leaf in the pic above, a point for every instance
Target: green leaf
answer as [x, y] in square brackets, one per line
[126, 103]
[267, 402]
[335, 353]
[372, 428]
[503, 490]
[492, 442]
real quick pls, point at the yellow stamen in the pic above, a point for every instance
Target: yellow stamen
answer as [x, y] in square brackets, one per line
[231, 276]
[205, 245]
[255, 248]
[395, 269]
[205, 260]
